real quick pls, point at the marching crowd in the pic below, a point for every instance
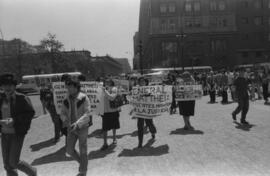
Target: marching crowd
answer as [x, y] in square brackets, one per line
[16, 111]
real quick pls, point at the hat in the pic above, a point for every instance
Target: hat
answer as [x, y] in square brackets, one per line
[7, 79]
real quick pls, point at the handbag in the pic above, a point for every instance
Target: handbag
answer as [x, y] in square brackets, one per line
[117, 102]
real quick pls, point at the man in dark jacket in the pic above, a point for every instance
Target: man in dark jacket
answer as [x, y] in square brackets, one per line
[16, 113]
[241, 86]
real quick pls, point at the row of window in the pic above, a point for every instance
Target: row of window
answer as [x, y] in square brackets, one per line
[258, 20]
[214, 5]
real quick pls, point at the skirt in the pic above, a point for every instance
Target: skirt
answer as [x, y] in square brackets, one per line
[110, 121]
[186, 108]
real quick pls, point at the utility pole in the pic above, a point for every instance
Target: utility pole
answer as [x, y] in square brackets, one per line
[181, 44]
[140, 55]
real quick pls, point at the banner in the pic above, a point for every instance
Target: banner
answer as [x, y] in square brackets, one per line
[186, 92]
[92, 89]
[59, 94]
[122, 86]
[151, 101]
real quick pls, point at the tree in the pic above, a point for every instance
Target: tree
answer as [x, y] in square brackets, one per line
[51, 44]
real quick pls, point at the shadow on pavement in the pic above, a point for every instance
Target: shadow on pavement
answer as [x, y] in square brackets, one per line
[98, 134]
[147, 150]
[212, 102]
[57, 156]
[181, 131]
[43, 144]
[101, 154]
[227, 103]
[243, 127]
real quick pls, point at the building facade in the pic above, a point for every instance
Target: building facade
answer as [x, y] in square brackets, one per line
[177, 33]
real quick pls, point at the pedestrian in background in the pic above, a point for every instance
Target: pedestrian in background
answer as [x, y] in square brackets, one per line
[16, 113]
[110, 118]
[212, 87]
[75, 115]
[265, 84]
[241, 91]
[186, 108]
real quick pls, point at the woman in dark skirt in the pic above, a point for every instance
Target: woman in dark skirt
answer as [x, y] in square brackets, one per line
[110, 119]
[186, 108]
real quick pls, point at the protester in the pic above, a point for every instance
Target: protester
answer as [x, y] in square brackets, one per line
[16, 114]
[265, 84]
[212, 87]
[75, 115]
[140, 120]
[110, 118]
[186, 108]
[224, 87]
[241, 88]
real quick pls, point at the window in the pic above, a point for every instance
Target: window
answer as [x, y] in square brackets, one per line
[244, 20]
[218, 45]
[213, 5]
[188, 23]
[197, 22]
[163, 8]
[224, 22]
[172, 25]
[197, 6]
[163, 26]
[258, 4]
[221, 5]
[258, 54]
[169, 47]
[171, 7]
[245, 54]
[258, 20]
[188, 6]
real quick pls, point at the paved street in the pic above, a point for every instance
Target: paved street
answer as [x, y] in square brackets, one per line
[217, 147]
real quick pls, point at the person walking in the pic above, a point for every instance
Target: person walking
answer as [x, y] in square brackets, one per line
[212, 87]
[16, 113]
[241, 92]
[265, 84]
[75, 115]
[186, 108]
[110, 118]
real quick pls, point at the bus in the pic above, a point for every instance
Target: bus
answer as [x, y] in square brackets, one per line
[33, 83]
[198, 69]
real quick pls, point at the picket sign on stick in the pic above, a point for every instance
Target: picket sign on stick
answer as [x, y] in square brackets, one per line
[151, 101]
[122, 86]
[92, 89]
[186, 92]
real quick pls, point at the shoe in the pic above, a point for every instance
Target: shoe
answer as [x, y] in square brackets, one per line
[233, 116]
[244, 122]
[139, 146]
[186, 128]
[34, 171]
[104, 147]
[191, 127]
[153, 136]
[81, 174]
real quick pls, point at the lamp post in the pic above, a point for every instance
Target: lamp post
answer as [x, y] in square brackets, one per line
[181, 43]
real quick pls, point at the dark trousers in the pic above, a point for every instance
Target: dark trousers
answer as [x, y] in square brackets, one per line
[265, 91]
[243, 105]
[11, 150]
[57, 125]
[140, 125]
[212, 96]
[224, 95]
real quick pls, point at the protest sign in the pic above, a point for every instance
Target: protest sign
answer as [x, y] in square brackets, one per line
[186, 92]
[59, 94]
[151, 101]
[92, 89]
[122, 86]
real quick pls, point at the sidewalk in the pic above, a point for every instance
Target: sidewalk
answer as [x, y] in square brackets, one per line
[218, 146]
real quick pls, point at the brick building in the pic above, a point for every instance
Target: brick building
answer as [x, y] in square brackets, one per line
[219, 33]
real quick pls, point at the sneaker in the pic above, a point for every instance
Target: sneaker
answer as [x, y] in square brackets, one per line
[104, 147]
[233, 116]
[244, 122]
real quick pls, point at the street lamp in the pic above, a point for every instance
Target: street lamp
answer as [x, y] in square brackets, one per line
[181, 43]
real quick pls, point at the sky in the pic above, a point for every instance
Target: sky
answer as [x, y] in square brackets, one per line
[100, 26]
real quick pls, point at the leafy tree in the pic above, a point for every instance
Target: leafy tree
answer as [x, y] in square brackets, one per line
[51, 44]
